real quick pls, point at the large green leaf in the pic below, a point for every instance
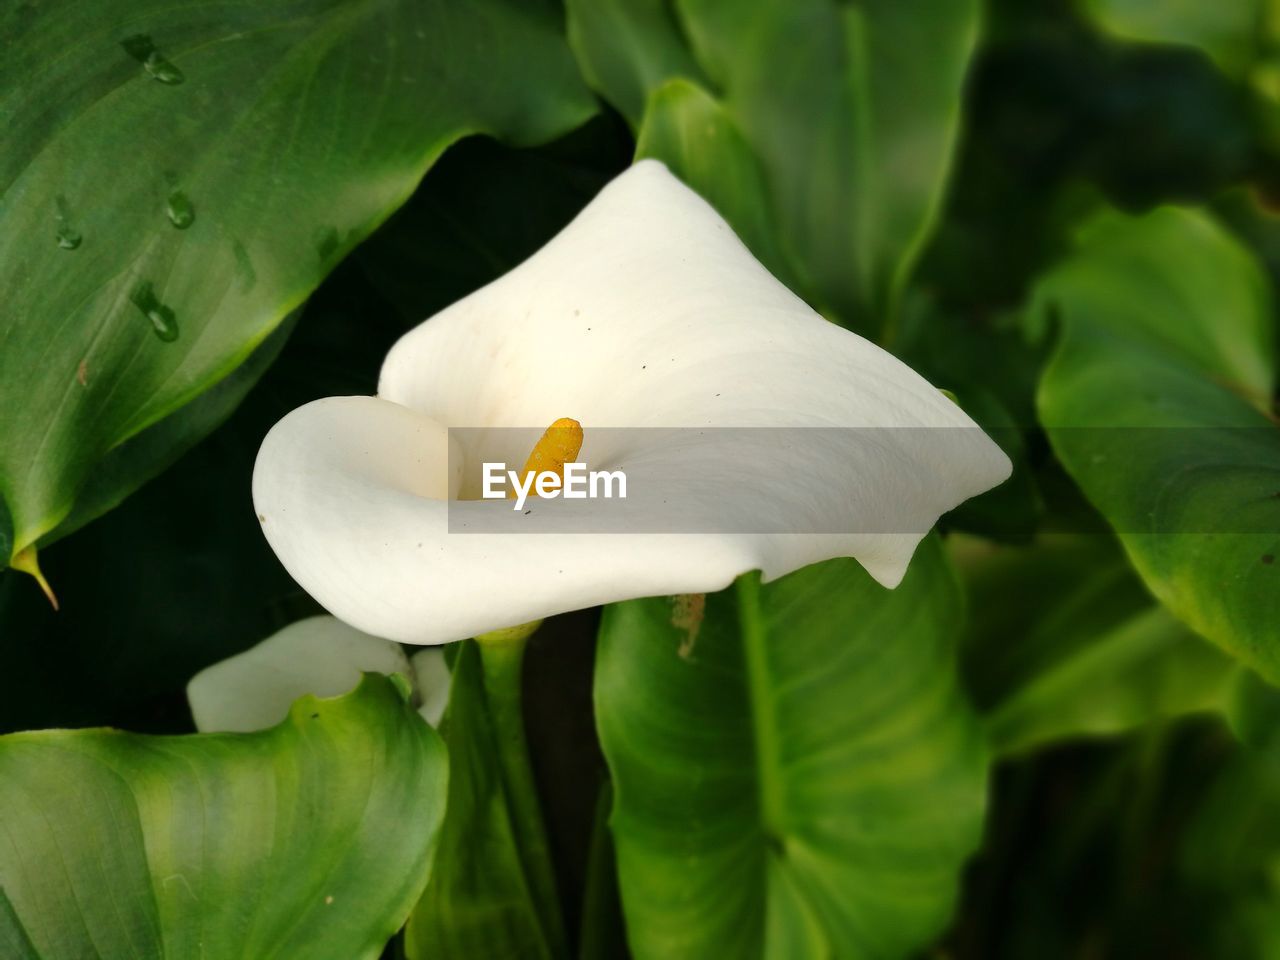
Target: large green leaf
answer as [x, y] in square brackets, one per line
[178, 176]
[1064, 643]
[147, 454]
[179, 575]
[797, 774]
[311, 839]
[1158, 402]
[492, 892]
[850, 112]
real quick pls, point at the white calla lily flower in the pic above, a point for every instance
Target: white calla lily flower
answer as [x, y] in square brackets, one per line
[319, 655]
[646, 311]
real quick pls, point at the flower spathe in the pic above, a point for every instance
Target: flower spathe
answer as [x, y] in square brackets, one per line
[323, 656]
[646, 311]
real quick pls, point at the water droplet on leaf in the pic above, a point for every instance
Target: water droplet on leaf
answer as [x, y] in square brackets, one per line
[163, 320]
[68, 237]
[162, 70]
[143, 49]
[180, 210]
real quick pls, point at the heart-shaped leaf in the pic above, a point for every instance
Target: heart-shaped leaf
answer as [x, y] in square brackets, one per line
[797, 773]
[309, 840]
[177, 177]
[1158, 402]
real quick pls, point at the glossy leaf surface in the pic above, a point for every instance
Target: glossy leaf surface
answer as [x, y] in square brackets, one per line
[309, 840]
[796, 771]
[177, 177]
[1158, 400]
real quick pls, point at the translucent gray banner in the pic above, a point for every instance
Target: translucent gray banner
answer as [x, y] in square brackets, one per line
[843, 480]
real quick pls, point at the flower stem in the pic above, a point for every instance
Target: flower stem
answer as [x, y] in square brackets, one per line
[502, 659]
[601, 932]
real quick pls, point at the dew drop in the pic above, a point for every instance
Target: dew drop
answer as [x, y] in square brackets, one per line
[164, 71]
[68, 237]
[163, 320]
[143, 49]
[180, 210]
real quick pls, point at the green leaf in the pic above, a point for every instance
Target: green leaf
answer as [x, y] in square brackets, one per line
[188, 542]
[311, 839]
[1157, 402]
[492, 892]
[1065, 643]
[849, 112]
[797, 774]
[176, 179]
[628, 48]
[1229, 31]
[125, 468]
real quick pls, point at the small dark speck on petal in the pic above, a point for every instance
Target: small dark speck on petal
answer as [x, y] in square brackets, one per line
[419, 546]
[717, 394]
[527, 512]
[642, 366]
[576, 312]
[261, 518]
[1268, 558]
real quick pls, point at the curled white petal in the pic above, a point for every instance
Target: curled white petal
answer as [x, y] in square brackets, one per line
[320, 655]
[645, 312]
[432, 676]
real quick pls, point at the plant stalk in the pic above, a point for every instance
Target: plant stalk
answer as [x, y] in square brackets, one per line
[502, 659]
